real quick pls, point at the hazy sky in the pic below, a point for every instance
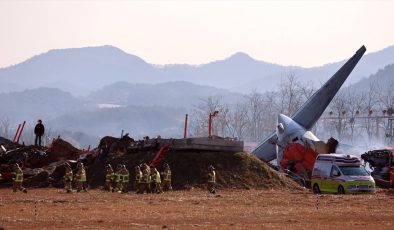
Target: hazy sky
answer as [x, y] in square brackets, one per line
[305, 33]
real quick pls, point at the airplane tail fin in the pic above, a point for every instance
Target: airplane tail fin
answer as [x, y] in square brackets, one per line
[311, 111]
[314, 107]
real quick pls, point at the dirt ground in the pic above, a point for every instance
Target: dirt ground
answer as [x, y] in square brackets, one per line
[50, 208]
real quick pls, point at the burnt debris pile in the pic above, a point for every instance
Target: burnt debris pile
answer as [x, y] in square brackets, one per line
[45, 166]
[38, 163]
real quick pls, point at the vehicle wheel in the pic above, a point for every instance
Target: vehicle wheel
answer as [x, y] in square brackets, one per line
[316, 189]
[341, 190]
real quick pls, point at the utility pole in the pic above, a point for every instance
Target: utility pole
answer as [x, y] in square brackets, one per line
[214, 114]
[185, 131]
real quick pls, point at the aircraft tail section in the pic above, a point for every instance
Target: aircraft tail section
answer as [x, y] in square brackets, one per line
[311, 111]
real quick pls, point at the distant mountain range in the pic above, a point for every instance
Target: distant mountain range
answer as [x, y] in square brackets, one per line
[384, 79]
[36, 103]
[81, 71]
[143, 109]
[174, 94]
[66, 87]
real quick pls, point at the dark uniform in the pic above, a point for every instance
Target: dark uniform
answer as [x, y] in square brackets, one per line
[39, 131]
[109, 178]
[211, 179]
[145, 180]
[167, 178]
[123, 178]
[81, 178]
[137, 179]
[156, 181]
[68, 178]
[18, 179]
[117, 177]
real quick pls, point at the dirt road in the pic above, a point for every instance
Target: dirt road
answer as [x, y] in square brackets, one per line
[239, 209]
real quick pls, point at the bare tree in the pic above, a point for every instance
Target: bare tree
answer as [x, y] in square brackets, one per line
[255, 105]
[290, 94]
[5, 128]
[199, 122]
[338, 106]
[239, 123]
[355, 103]
[372, 101]
[385, 95]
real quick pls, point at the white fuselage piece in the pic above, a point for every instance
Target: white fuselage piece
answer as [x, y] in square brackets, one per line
[289, 131]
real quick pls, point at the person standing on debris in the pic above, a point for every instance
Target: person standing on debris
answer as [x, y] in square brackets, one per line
[81, 178]
[109, 178]
[18, 179]
[156, 181]
[211, 179]
[167, 178]
[145, 180]
[39, 131]
[124, 179]
[68, 178]
[138, 177]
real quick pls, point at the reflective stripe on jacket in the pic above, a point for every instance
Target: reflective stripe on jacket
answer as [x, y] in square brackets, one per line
[68, 176]
[145, 177]
[110, 176]
[81, 176]
[167, 175]
[156, 177]
[18, 177]
[138, 176]
[117, 177]
[212, 177]
[126, 175]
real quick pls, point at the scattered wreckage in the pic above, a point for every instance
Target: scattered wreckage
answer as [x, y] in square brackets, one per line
[188, 158]
[381, 162]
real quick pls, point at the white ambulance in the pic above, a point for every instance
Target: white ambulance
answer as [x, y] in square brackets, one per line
[342, 174]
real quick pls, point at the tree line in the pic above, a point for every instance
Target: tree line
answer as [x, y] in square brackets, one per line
[354, 115]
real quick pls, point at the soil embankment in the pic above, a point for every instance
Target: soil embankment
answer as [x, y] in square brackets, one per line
[189, 168]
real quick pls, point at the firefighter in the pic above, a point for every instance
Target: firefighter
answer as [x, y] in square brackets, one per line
[211, 179]
[117, 177]
[109, 178]
[18, 179]
[68, 178]
[156, 181]
[145, 180]
[81, 178]
[167, 178]
[138, 176]
[123, 179]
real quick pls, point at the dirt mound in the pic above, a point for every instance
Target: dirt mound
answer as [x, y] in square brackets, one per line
[45, 167]
[189, 168]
